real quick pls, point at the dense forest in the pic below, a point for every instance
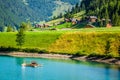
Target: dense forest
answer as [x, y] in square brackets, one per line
[103, 9]
[17, 11]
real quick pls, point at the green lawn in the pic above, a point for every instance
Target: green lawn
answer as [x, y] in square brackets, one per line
[41, 39]
[7, 39]
[64, 25]
[55, 21]
[32, 39]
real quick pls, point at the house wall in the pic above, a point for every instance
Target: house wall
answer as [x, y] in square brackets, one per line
[92, 20]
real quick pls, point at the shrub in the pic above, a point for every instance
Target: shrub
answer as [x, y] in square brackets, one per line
[8, 49]
[80, 53]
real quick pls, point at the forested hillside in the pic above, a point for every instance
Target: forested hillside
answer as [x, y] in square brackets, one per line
[108, 9]
[103, 9]
[14, 12]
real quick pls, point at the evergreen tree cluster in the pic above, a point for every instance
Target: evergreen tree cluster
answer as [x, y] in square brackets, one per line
[75, 9]
[103, 9]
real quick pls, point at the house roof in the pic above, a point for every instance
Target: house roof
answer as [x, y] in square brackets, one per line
[105, 19]
[93, 17]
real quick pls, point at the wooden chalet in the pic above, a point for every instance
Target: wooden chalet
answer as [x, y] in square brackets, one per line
[92, 19]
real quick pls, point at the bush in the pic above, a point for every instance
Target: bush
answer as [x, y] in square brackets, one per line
[110, 55]
[8, 49]
[80, 53]
[96, 55]
[33, 50]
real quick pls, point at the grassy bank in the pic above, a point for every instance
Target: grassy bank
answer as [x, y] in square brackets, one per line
[90, 42]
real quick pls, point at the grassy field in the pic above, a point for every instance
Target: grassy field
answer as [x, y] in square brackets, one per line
[79, 15]
[65, 25]
[39, 40]
[95, 41]
[55, 21]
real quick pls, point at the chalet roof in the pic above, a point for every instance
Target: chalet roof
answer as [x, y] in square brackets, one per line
[94, 17]
[105, 19]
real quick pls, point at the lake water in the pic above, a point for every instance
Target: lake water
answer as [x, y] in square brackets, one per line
[56, 69]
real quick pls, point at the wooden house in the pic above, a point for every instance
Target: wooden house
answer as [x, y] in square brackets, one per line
[109, 25]
[92, 19]
[42, 26]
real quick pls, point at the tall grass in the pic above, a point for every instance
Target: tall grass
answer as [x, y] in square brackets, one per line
[90, 43]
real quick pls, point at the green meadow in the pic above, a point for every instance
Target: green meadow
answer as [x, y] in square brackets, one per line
[90, 42]
[39, 40]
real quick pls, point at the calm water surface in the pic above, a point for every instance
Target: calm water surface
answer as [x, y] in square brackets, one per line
[52, 69]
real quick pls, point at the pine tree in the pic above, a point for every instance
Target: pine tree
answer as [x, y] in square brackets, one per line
[76, 8]
[68, 14]
[116, 23]
[83, 6]
[60, 16]
[106, 16]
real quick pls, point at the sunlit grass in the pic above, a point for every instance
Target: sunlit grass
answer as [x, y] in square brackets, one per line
[98, 43]
[32, 39]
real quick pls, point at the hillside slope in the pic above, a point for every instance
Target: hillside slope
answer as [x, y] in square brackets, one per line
[15, 12]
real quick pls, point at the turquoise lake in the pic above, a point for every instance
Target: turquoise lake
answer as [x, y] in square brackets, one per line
[56, 69]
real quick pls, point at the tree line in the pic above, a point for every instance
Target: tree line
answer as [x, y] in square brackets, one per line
[9, 28]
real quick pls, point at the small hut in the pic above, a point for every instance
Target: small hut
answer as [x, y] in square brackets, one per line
[109, 25]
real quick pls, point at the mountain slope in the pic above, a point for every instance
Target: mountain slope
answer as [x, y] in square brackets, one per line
[15, 12]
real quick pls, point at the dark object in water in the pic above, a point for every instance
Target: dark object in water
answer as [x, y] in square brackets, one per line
[32, 64]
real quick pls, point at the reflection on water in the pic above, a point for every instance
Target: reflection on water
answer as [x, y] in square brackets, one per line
[19, 61]
[56, 69]
[23, 73]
